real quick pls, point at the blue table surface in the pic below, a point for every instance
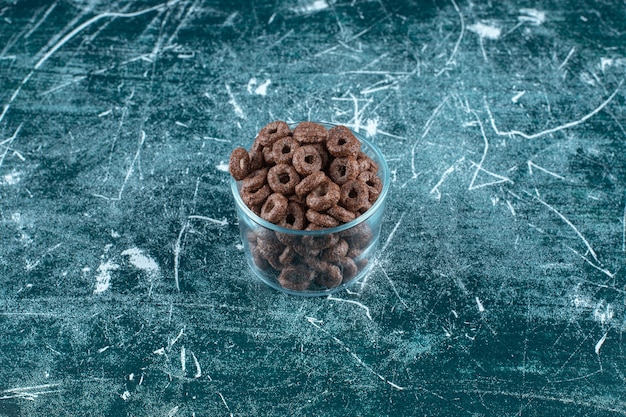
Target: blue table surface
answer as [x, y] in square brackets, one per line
[499, 287]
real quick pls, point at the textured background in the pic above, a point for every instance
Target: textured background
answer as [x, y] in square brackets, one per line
[499, 289]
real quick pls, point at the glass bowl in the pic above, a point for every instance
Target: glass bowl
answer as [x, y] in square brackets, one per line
[314, 262]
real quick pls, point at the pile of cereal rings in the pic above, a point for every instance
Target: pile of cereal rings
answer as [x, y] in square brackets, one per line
[308, 178]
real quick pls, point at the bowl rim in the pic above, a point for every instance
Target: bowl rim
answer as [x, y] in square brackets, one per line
[383, 172]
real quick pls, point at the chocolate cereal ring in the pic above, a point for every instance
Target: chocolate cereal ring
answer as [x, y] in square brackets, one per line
[271, 132]
[354, 195]
[309, 132]
[274, 208]
[295, 278]
[329, 275]
[321, 149]
[349, 269]
[342, 142]
[239, 163]
[283, 150]
[255, 180]
[343, 169]
[256, 156]
[254, 198]
[373, 182]
[320, 219]
[268, 155]
[341, 214]
[310, 183]
[366, 163]
[283, 178]
[323, 196]
[307, 160]
[294, 217]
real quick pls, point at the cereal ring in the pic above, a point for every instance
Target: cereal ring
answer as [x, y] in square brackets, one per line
[366, 163]
[336, 252]
[256, 156]
[341, 214]
[321, 219]
[287, 257]
[272, 132]
[343, 169]
[342, 142]
[317, 243]
[259, 260]
[283, 179]
[373, 182]
[294, 218]
[324, 196]
[295, 278]
[321, 149]
[348, 268]
[310, 183]
[239, 163]
[268, 155]
[300, 199]
[309, 132]
[329, 275]
[256, 197]
[255, 180]
[274, 208]
[307, 160]
[283, 150]
[354, 195]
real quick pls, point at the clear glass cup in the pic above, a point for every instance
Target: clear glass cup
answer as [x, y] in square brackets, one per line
[314, 262]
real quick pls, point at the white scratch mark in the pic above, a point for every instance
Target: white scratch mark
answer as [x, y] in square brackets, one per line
[233, 102]
[258, 89]
[583, 119]
[624, 230]
[173, 341]
[217, 140]
[225, 404]
[531, 164]
[177, 249]
[316, 323]
[517, 96]
[569, 55]
[222, 167]
[603, 270]
[7, 142]
[425, 131]
[198, 373]
[364, 307]
[570, 224]
[532, 16]
[183, 359]
[479, 166]
[29, 393]
[141, 261]
[393, 232]
[103, 279]
[510, 206]
[450, 60]
[315, 6]
[435, 189]
[600, 343]
[485, 31]
[91, 21]
[222, 222]
[173, 411]
[479, 303]
[393, 286]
